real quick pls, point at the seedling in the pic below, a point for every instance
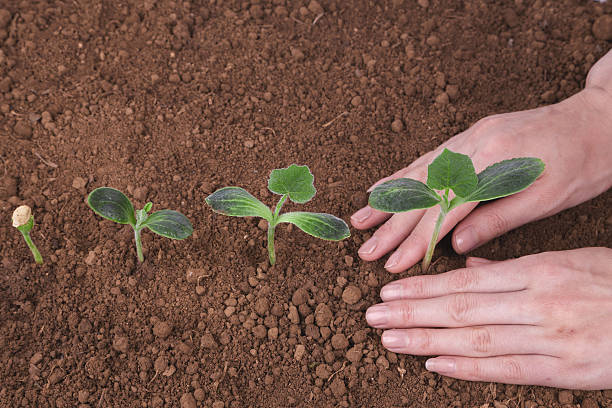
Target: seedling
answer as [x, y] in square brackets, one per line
[294, 182]
[23, 220]
[454, 171]
[115, 206]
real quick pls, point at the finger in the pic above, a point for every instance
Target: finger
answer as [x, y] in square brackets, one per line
[389, 235]
[457, 310]
[477, 341]
[511, 369]
[496, 218]
[492, 278]
[475, 261]
[414, 247]
[367, 217]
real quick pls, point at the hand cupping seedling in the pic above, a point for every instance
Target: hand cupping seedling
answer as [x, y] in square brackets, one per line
[294, 182]
[115, 206]
[454, 171]
[23, 220]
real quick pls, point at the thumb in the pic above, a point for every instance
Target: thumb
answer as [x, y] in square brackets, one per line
[494, 219]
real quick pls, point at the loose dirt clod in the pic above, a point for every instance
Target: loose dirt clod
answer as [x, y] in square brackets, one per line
[351, 294]
[602, 27]
[162, 329]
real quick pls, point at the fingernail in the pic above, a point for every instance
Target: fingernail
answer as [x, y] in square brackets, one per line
[393, 260]
[362, 215]
[377, 315]
[369, 246]
[465, 239]
[394, 339]
[441, 365]
[391, 291]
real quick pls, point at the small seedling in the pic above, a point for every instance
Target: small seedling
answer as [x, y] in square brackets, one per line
[115, 206]
[454, 171]
[294, 182]
[23, 220]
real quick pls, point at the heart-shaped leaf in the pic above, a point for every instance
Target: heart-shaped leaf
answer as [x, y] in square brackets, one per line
[505, 178]
[296, 181]
[401, 195]
[238, 202]
[112, 204]
[169, 223]
[324, 226]
[454, 171]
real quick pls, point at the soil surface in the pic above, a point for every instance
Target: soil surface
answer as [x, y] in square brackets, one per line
[169, 101]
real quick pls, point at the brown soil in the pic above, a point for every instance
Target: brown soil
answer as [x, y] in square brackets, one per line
[170, 100]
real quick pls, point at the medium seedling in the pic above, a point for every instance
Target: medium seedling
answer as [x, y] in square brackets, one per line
[454, 171]
[115, 206]
[23, 220]
[294, 182]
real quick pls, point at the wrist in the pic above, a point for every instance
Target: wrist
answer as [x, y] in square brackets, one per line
[591, 113]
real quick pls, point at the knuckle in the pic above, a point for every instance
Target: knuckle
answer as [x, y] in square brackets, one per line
[496, 223]
[405, 311]
[462, 279]
[474, 370]
[418, 287]
[511, 369]
[423, 340]
[480, 340]
[460, 308]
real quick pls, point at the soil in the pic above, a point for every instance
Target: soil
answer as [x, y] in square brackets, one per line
[169, 101]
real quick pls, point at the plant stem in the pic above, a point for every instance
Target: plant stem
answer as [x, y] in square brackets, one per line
[271, 252]
[272, 227]
[35, 252]
[433, 242]
[138, 245]
[279, 206]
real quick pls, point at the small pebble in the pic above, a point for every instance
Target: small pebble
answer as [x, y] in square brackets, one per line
[188, 401]
[120, 344]
[397, 126]
[23, 130]
[300, 350]
[162, 329]
[351, 294]
[602, 27]
[79, 183]
[442, 99]
[566, 397]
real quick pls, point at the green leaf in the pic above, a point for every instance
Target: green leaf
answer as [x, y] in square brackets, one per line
[238, 202]
[169, 223]
[401, 195]
[296, 181]
[112, 204]
[324, 226]
[505, 178]
[148, 207]
[453, 171]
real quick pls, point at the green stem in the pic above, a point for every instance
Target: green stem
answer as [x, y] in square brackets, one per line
[279, 206]
[433, 242]
[271, 252]
[138, 245]
[272, 227]
[35, 252]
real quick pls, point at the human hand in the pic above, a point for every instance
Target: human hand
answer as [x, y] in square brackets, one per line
[571, 137]
[542, 319]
